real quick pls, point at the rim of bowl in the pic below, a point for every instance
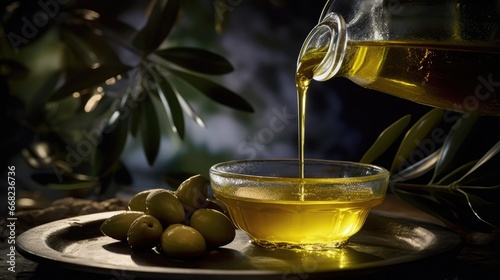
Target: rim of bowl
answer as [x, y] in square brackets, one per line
[382, 172]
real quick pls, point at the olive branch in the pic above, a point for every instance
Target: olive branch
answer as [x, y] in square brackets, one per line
[83, 114]
[457, 181]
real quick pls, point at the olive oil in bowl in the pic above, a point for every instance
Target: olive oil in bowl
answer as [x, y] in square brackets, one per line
[278, 209]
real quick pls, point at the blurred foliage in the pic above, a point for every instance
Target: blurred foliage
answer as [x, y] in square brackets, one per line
[446, 164]
[110, 81]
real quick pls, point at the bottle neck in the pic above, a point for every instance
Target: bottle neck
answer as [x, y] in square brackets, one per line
[328, 38]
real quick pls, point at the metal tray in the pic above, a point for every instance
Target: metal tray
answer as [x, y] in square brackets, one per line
[382, 243]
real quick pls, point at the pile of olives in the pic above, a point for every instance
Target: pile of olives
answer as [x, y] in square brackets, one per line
[181, 224]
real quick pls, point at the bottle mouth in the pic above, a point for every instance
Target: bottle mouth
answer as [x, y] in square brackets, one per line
[328, 37]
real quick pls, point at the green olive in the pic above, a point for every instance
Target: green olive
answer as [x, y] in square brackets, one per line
[165, 206]
[138, 201]
[216, 228]
[182, 242]
[193, 192]
[144, 233]
[117, 226]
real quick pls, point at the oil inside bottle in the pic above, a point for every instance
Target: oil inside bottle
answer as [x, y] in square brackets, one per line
[464, 78]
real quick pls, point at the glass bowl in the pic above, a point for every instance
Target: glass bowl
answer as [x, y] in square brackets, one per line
[277, 208]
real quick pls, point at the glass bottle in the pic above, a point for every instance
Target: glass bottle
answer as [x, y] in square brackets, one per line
[441, 53]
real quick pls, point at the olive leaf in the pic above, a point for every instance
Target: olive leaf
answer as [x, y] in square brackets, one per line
[480, 207]
[150, 130]
[386, 139]
[426, 204]
[111, 143]
[78, 53]
[215, 91]
[161, 20]
[465, 206]
[164, 92]
[86, 43]
[453, 142]
[486, 176]
[87, 78]
[136, 107]
[174, 111]
[190, 111]
[197, 60]
[415, 135]
[455, 174]
[135, 121]
[417, 169]
[489, 154]
[117, 29]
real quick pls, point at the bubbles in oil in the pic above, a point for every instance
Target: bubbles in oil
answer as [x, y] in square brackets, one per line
[340, 193]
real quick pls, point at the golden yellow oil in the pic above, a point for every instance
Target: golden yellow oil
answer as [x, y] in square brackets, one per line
[303, 77]
[310, 215]
[461, 78]
[276, 217]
